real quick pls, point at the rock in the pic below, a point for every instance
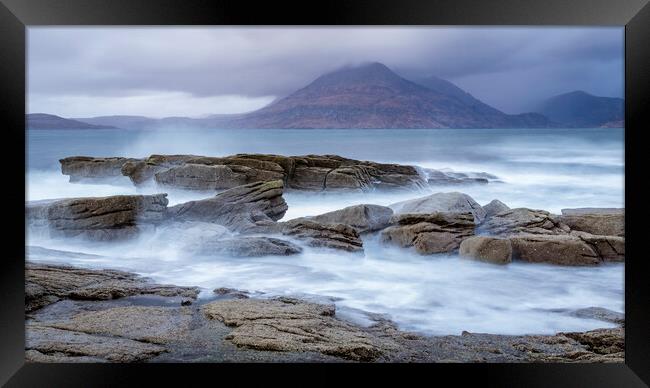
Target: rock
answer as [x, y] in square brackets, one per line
[188, 234]
[608, 248]
[248, 247]
[437, 232]
[46, 284]
[601, 314]
[605, 224]
[86, 168]
[293, 325]
[494, 207]
[363, 218]
[592, 210]
[47, 344]
[99, 218]
[307, 172]
[231, 292]
[453, 202]
[157, 325]
[523, 220]
[238, 209]
[315, 234]
[601, 341]
[553, 249]
[487, 249]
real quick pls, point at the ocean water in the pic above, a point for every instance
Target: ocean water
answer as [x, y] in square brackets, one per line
[548, 169]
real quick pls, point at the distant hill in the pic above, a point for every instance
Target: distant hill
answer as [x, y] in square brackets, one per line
[47, 121]
[581, 109]
[373, 96]
[367, 96]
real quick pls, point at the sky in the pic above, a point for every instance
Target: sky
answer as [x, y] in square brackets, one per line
[198, 71]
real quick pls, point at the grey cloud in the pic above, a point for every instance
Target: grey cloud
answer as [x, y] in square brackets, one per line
[527, 63]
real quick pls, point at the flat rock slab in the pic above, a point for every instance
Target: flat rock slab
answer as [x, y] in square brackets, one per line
[604, 224]
[293, 325]
[57, 345]
[46, 284]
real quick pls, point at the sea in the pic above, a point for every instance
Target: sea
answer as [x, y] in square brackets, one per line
[549, 169]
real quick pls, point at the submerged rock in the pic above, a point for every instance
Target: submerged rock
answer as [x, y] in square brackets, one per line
[453, 202]
[248, 247]
[437, 232]
[363, 218]
[495, 207]
[601, 314]
[46, 284]
[98, 218]
[238, 209]
[488, 249]
[294, 325]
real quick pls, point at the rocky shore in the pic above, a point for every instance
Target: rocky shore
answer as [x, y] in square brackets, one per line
[76, 314]
[82, 315]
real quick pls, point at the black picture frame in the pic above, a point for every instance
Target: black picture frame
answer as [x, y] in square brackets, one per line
[16, 15]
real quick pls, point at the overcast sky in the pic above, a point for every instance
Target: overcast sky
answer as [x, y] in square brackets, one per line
[172, 71]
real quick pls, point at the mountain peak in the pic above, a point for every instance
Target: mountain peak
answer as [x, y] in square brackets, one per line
[368, 72]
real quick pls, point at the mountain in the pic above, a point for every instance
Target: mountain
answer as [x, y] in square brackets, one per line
[581, 109]
[373, 96]
[47, 121]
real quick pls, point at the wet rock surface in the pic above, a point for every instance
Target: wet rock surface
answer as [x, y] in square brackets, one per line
[98, 218]
[234, 327]
[429, 233]
[495, 207]
[487, 249]
[363, 218]
[523, 220]
[46, 284]
[596, 222]
[248, 247]
[315, 234]
[453, 202]
[89, 169]
[238, 209]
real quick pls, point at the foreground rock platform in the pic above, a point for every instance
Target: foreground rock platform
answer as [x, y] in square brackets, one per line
[159, 327]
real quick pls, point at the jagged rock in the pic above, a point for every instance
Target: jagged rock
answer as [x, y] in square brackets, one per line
[86, 168]
[238, 209]
[46, 284]
[601, 341]
[315, 234]
[363, 218]
[553, 249]
[437, 232]
[453, 202]
[605, 222]
[487, 249]
[98, 218]
[293, 325]
[494, 207]
[248, 247]
[47, 344]
[523, 220]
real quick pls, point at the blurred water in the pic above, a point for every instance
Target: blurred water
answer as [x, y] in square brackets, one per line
[539, 168]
